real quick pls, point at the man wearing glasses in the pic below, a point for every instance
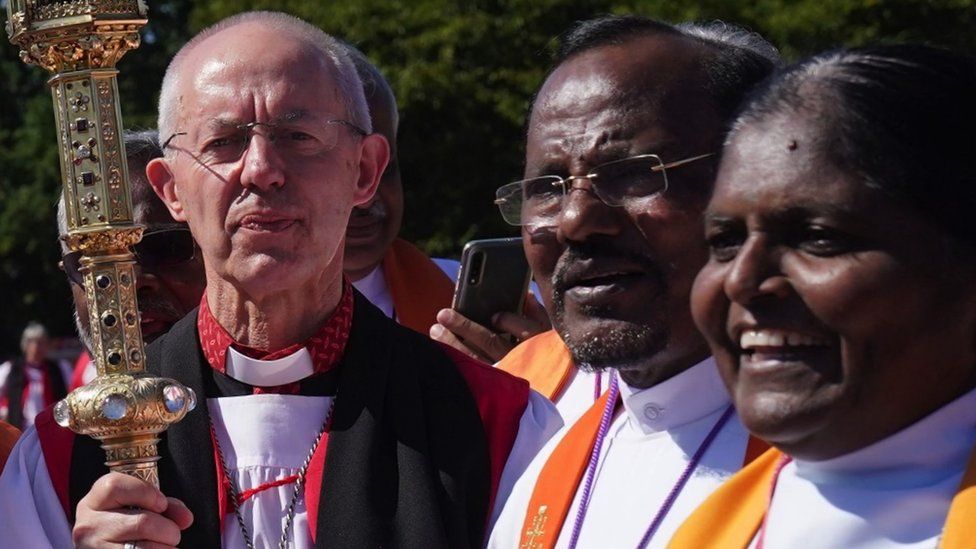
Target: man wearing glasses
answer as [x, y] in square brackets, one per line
[170, 278]
[621, 152]
[321, 422]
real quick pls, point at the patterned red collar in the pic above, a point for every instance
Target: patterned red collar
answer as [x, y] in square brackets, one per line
[326, 346]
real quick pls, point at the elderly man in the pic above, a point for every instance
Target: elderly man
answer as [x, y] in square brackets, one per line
[393, 274]
[169, 270]
[32, 381]
[321, 422]
[620, 159]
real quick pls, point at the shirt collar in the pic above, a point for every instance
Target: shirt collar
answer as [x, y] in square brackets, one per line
[320, 353]
[684, 398]
[373, 286]
[925, 452]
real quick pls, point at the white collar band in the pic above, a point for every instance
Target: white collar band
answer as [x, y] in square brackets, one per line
[269, 373]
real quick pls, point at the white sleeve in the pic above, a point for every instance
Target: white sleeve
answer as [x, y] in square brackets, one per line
[4, 372]
[30, 512]
[539, 422]
[506, 530]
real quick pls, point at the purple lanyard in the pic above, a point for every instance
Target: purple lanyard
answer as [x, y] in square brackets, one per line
[675, 490]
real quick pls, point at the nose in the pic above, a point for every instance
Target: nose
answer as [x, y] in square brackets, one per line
[584, 215]
[756, 273]
[263, 166]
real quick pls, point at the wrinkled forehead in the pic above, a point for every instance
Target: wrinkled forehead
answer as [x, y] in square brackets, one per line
[231, 79]
[594, 113]
[607, 103]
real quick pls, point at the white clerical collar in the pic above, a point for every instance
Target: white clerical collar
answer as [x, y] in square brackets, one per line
[686, 397]
[373, 287]
[921, 454]
[269, 373]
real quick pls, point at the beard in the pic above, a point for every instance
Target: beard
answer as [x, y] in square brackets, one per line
[625, 348]
[83, 334]
[627, 345]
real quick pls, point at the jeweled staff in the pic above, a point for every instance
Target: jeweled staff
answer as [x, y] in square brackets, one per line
[80, 41]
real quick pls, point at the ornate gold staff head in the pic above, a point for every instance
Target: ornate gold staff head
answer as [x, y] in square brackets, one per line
[80, 41]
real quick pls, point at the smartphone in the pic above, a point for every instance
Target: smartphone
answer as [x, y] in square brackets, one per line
[494, 277]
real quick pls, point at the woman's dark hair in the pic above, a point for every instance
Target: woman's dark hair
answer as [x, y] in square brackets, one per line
[901, 117]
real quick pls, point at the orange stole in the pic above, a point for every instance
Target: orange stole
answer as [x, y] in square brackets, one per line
[8, 437]
[544, 361]
[556, 486]
[418, 286]
[732, 515]
[560, 477]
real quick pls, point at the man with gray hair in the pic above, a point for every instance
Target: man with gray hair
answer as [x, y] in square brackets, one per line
[622, 146]
[320, 422]
[169, 270]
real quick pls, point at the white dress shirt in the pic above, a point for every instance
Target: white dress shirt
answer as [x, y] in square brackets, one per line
[892, 494]
[263, 438]
[646, 450]
[580, 394]
[373, 286]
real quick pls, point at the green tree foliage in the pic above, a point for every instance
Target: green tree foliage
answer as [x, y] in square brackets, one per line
[463, 71]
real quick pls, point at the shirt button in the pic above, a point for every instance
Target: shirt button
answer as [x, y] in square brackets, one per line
[652, 411]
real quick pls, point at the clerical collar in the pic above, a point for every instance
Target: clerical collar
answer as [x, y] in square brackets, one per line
[260, 368]
[686, 397]
[921, 454]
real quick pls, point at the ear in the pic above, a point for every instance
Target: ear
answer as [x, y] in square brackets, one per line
[375, 155]
[161, 178]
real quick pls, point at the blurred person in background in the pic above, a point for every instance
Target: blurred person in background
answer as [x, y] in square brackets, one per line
[392, 273]
[32, 381]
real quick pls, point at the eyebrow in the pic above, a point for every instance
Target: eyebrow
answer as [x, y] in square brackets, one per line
[224, 122]
[793, 213]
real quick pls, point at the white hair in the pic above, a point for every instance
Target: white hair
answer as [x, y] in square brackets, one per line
[33, 331]
[349, 84]
[721, 33]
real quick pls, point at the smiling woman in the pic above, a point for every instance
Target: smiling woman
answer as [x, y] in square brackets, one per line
[840, 302]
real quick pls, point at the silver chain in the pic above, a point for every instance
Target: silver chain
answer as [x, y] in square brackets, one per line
[290, 513]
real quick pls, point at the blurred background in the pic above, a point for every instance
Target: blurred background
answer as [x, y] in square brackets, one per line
[463, 72]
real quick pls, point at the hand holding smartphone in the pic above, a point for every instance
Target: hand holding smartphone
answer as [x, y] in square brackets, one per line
[494, 278]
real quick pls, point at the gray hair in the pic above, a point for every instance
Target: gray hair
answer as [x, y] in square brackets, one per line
[373, 80]
[34, 330]
[348, 82]
[740, 60]
[720, 33]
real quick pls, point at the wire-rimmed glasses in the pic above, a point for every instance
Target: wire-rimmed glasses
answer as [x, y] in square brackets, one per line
[538, 200]
[292, 139]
